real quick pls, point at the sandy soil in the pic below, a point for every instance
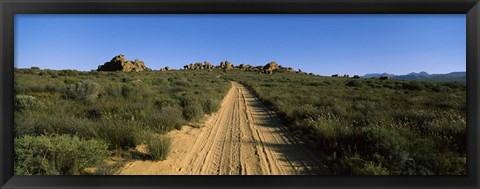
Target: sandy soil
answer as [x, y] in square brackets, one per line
[242, 138]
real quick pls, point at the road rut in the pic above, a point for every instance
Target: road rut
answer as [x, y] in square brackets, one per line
[242, 138]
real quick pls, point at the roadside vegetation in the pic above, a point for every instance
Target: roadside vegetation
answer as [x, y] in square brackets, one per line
[356, 126]
[370, 126]
[67, 121]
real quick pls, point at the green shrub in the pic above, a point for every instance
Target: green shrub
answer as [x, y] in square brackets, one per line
[130, 91]
[355, 83]
[209, 106]
[179, 82]
[56, 154]
[192, 109]
[348, 164]
[413, 85]
[449, 164]
[166, 119]
[35, 123]
[69, 80]
[25, 102]
[389, 143]
[94, 113]
[193, 112]
[158, 147]
[370, 168]
[165, 102]
[85, 90]
[112, 90]
[69, 73]
[118, 134]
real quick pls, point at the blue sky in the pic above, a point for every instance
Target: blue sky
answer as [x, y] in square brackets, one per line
[322, 44]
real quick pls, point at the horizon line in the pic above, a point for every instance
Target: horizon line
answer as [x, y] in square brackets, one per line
[295, 69]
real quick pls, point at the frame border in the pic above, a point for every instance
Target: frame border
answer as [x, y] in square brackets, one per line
[8, 8]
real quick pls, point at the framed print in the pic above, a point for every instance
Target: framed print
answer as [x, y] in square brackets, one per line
[189, 94]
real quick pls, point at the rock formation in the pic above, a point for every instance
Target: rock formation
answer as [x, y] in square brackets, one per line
[245, 67]
[199, 66]
[226, 65]
[164, 68]
[285, 69]
[270, 67]
[207, 65]
[118, 63]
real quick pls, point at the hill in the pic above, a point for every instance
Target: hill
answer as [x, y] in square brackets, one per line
[453, 76]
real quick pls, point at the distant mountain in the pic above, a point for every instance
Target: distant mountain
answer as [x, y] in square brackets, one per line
[453, 76]
[377, 75]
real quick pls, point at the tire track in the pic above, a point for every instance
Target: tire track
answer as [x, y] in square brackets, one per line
[242, 138]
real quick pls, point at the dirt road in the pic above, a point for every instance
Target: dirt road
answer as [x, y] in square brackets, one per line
[242, 138]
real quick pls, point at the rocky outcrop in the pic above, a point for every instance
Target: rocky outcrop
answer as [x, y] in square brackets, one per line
[195, 66]
[245, 67]
[164, 68]
[270, 67]
[118, 63]
[226, 65]
[207, 65]
[285, 69]
[199, 66]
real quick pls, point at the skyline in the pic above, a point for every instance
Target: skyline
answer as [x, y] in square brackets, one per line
[321, 44]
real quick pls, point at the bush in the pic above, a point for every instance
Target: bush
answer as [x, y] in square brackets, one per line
[355, 83]
[166, 119]
[112, 90]
[158, 147]
[193, 112]
[34, 123]
[161, 103]
[129, 91]
[209, 106]
[56, 154]
[118, 134]
[192, 109]
[86, 91]
[370, 168]
[449, 164]
[93, 113]
[413, 85]
[387, 142]
[69, 73]
[348, 164]
[25, 102]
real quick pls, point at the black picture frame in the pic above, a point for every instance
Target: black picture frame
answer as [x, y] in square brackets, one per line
[8, 8]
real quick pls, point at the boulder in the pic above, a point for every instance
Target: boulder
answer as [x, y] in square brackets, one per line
[246, 67]
[285, 69]
[118, 63]
[197, 66]
[226, 65]
[166, 68]
[207, 65]
[270, 67]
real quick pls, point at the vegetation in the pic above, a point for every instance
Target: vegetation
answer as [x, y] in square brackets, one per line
[371, 126]
[158, 147]
[357, 126]
[56, 154]
[72, 112]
